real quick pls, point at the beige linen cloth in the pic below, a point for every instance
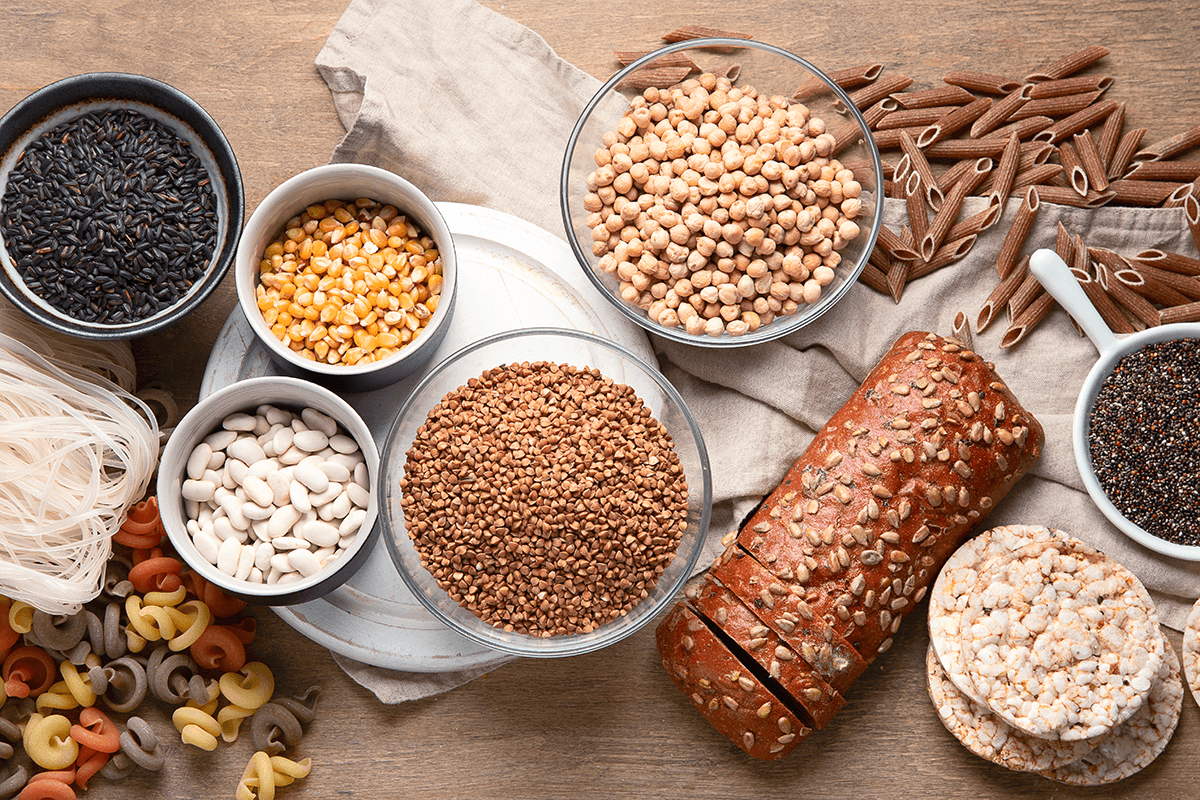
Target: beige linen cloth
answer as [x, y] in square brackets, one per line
[475, 108]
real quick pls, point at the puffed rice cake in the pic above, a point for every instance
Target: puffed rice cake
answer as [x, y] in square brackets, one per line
[1191, 651]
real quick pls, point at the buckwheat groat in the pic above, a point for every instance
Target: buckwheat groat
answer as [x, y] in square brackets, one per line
[1191, 651]
[952, 591]
[1131, 747]
[987, 736]
[1060, 640]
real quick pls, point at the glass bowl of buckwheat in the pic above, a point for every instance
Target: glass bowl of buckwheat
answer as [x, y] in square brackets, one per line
[721, 192]
[545, 492]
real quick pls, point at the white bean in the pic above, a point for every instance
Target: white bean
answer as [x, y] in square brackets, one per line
[276, 416]
[273, 576]
[352, 523]
[282, 439]
[282, 521]
[245, 562]
[319, 421]
[253, 511]
[200, 491]
[290, 577]
[255, 576]
[284, 543]
[233, 510]
[304, 561]
[191, 507]
[237, 470]
[281, 486]
[258, 490]
[293, 455]
[362, 475]
[343, 444]
[219, 440]
[227, 556]
[265, 467]
[216, 460]
[262, 555]
[311, 476]
[319, 499]
[280, 563]
[239, 422]
[310, 441]
[261, 426]
[335, 471]
[340, 506]
[359, 495]
[207, 545]
[198, 461]
[318, 532]
[246, 449]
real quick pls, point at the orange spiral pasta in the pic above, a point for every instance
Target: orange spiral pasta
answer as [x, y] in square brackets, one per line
[142, 528]
[8, 637]
[157, 575]
[220, 647]
[28, 671]
[96, 731]
[221, 603]
[88, 764]
[49, 786]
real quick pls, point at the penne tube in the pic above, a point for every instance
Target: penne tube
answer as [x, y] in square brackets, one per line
[1005, 174]
[946, 254]
[844, 135]
[890, 139]
[655, 76]
[876, 91]
[1014, 240]
[1023, 128]
[688, 32]
[965, 148]
[1025, 294]
[1001, 112]
[1058, 106]
[1090, 160]
[975, 224]
[1110, 134]
[909, 117]
[1153, 290]
[873, 277]
[918, 217]
[1139, 307]
[677, 59]
[897, 277]
[1112, 315]
[1036, 175]
[875, 114]
[1183, 171]
[918, 162]
[848, 78]
[1073, 169]
[1176, 198]
[1069, 64]
[1166, 148]
[1064, 245]
[960, 328]
[954, 121]
[903, 167]
[937, 96]
[893, 246]
[948, 213]
[1062, 196]
[1171, 262]
[1185, 285]
[1141, 193]
[985, 82]
[1123, 154]
[1000, 295]
[1076, 122]
[1184, 313]
[1191, 211]
[1064, 86]
[1023, 325]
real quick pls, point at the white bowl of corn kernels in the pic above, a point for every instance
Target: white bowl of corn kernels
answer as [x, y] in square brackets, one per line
[346, 273]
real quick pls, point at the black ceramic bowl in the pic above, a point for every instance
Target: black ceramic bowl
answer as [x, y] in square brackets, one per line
[58, 269]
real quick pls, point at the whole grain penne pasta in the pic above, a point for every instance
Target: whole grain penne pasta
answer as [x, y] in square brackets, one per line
[686, 33]
[985, 82]
[844, 135]
[1023, 128]
[945, 255]
[903, 167]
[1073, 169]
[950, 124]
[1113, 317]
[1185, 285]
[1110, 134]
[1000, 113]
[890, 139]
[918, 216]
[658, 77]
[1166, 148]
[1014, 240]
[873, 277]
[1178, 197]
[1001, 294]
[876, 91]
[1023, 325]
[1141, 193]
[891, 244]
[1184, 313]
[897, 278]
[1126, 147]
[975, 224]
[1057, 106]
[731, 72]
[916, 158]
[954, 174]
[1005, 173]
[1152, 289]
[1139, 307]
[936, 96]
[847, 78]
[1073, 124]
[1063, 86]
[910, 117]
[1025, 294]
[1062, 196]
[1191, 212]
[960, 329]
[1069, 64]
[1090, 160]
[1064, 245]
[875, 114]
[679, 58]
[1171, 262]
[1036, 175]
[1182, 171]
[948, 213]
[965, 148]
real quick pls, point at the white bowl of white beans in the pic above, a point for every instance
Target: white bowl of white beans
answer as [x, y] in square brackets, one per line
[721, 192]
[346, 273]
[267, 489]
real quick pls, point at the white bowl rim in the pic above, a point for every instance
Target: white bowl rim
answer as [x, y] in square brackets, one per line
[246, 272]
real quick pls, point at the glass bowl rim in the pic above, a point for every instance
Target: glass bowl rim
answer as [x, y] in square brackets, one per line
[725, 340]
[523, 644]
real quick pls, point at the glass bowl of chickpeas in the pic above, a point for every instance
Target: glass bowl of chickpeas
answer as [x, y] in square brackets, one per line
[721, 192]
[346, 273]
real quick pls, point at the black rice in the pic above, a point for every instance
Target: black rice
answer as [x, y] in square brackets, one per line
[110, 217]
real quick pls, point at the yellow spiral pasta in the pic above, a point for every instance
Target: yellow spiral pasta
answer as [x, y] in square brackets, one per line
[196, 727]
[214, 698]
[249, 688]
[20, 616]
[165, 598]
[152, 623]
[190, 619]
[48, 741]
[57, 698]
[264, 773]
[80, 686]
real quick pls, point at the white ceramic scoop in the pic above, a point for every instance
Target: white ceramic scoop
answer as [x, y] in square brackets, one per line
[1057, 279]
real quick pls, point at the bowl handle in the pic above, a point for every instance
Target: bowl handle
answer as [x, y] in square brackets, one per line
[1054, 275]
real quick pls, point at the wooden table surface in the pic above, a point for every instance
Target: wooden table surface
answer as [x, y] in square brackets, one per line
[609, 724]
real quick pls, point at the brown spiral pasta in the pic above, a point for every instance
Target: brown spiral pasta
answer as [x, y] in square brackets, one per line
[140, 744]
[169, 675]
[279, 724]
[119, 767]
[57, 631]
[12, 780]
[126, 684]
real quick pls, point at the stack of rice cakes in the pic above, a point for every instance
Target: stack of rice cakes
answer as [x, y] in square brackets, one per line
[1191, 651]
[1046, 656]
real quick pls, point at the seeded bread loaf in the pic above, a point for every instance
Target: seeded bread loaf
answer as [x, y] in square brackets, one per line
[850, 540]
[726, 692]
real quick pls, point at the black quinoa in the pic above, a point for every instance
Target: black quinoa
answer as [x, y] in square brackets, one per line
[1145, 439]
[110, 217]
